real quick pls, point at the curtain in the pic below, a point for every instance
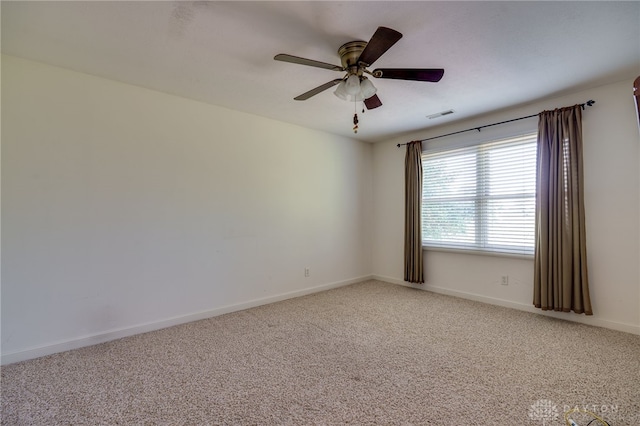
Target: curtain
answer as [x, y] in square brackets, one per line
[413, 259]
[560, 279]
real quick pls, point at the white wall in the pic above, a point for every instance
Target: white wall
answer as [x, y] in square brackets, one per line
[612, 203]
[126, 210]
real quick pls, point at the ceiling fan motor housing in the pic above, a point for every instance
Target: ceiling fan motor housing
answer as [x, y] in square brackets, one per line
[349, 54]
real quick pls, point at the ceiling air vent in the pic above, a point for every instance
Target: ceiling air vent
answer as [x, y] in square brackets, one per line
[440, 114]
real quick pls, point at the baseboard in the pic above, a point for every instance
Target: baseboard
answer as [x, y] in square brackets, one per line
[119, 333]
[589, 320]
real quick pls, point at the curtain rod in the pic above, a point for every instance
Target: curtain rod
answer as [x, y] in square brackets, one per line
[588, 103]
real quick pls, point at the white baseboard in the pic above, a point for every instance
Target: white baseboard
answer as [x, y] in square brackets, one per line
[119, 333]
[115, 334]
[589, 320]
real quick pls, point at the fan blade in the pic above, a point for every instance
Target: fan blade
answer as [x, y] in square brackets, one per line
[317, 90]
[380, 42]
[418, 74]
[303, 61]
[373, 102]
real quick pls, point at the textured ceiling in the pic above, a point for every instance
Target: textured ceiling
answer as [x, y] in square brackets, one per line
[495, 54]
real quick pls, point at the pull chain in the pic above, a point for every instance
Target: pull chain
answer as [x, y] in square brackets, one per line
[355, 118]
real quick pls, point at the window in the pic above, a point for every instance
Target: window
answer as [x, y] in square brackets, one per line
[482, 197]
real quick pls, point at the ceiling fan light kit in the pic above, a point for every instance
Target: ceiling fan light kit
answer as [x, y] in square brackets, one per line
[355, 89]
[356, 57]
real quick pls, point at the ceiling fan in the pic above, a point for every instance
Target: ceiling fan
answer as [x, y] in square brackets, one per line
[356, 57]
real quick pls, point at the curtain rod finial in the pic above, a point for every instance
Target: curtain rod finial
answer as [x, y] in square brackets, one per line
[590, 102]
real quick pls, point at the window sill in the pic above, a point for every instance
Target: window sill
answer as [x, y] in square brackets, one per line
[478, 252]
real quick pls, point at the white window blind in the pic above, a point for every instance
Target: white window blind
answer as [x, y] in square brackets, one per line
[482, 197]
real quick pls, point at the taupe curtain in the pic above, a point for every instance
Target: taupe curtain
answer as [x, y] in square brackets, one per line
[413, 260]
[560, 278]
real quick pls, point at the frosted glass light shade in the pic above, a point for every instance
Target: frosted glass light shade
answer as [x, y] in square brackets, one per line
[367, 89]
[352, 85]
[341, 91]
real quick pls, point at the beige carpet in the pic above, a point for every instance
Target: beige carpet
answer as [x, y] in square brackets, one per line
[369, 353]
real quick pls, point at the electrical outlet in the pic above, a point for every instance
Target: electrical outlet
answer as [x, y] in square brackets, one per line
[505, 280]
[306, 272]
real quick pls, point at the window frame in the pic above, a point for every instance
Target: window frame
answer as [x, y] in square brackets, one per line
[481, 245]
